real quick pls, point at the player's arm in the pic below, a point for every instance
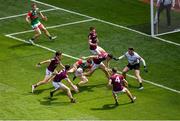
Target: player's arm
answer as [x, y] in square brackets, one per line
[144, 64]
[60, 63]
[43, 62]
[89, 57]
[121, 57]
[28, 19]
[173, 4]
[158, 3]
[109, 85]
[90, 41]
[71, 84]
[125, 83]
[42, 16]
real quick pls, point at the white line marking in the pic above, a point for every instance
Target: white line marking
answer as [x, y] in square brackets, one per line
[103, 21]
[158, 85]
[46, 48]
[175, 31]
[167, 41]
[18, 15]
[55, 26]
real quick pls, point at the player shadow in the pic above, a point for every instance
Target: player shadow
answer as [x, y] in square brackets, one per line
[19, 45]
[89, 88]
[47, 101]
[110, 106]
[39, 91]
[132, 86]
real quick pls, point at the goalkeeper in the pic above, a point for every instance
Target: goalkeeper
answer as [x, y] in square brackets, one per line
[134, 63]
[33, 19]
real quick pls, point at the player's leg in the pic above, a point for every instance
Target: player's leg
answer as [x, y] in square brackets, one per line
[48, 77]
[137, 74]
[36, 35]
[56, 86]
[115, 98]
[168, 14]
[91, 71]
[44, 81]
[129, 94]
[159, 10]
[125, 70]
[83, 80]
[69, 94]
[41, 26]
[105, 70]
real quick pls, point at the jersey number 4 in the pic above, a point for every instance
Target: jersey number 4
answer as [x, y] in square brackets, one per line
[117, 80]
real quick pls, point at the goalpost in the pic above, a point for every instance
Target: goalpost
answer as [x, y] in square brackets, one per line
[165, 17]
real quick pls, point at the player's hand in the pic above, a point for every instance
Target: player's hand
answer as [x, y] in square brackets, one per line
[38, 65]
[116, 59]
[75, 88]
[45, 18]
[145, 69]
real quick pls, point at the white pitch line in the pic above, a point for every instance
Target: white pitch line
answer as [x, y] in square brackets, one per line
[167, 41]
[18, 15]
[103, 21]
[55, 26]
[175, 31]
[49, 49]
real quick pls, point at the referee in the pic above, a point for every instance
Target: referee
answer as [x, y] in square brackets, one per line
[134, 63]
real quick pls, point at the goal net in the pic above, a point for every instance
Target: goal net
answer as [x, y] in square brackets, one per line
[165, 16]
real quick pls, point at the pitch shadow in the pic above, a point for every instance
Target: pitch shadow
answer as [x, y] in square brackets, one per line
[110, 106]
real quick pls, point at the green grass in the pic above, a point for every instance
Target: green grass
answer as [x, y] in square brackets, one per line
[95, 101]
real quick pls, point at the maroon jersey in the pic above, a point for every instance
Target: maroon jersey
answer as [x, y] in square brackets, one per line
[53, 64]
[93, 37]
[100, 58]
[117, 82]
[60, 76]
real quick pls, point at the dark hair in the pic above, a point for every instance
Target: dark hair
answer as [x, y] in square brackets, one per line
[91, 28]
[131, 48]
[67, 67]
[89, 61]
[58, 53]
[110, 55]
[114, 70]
[33, 4]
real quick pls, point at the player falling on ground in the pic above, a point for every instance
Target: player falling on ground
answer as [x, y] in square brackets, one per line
[98, 63]
[93, 42]
[57, 83]
[33, 19]
[78, 68]
[53, 63]
[117, 81]
[134, 63]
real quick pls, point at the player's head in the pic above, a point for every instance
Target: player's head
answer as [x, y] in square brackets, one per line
[67, 67]
[131, 51]
[114, 70]
[89, 62]
[110, 56]
[58, 54]
[34, 6]
[92, 29]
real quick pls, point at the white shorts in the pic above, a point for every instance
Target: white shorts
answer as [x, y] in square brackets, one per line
[122, 91]
[48, 73]
[58, 85]
[95, 66]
